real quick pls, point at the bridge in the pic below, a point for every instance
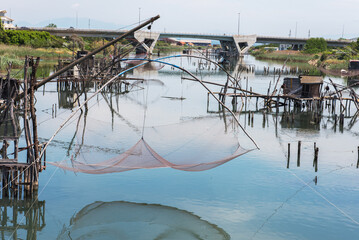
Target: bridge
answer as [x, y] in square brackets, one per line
[236, 45]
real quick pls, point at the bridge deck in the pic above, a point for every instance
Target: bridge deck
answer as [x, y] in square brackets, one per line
[116, 33]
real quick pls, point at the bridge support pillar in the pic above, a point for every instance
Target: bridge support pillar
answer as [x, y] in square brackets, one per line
[146, 40]
[239, 45]
[298, 47]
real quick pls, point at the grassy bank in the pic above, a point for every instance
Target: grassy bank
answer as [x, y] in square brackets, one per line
[294, 56]
[166, 47]
[16, 54]
[335, 64]
[332, 60]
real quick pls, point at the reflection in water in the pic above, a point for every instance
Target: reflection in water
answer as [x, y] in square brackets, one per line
[70, 92]
[126, 220]
[353, 81]
[21, 218]
[262, 188]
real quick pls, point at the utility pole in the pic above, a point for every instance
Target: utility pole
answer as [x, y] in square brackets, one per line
[309, 33]
[343, 32]
[239, 22]
[139, 16]
[290, 32]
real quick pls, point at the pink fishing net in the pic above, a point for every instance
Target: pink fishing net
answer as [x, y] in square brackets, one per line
[196, 145]
[141, 156]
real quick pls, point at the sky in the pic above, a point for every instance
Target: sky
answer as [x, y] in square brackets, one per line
[323, 18]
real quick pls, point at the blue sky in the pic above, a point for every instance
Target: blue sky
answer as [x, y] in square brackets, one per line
[324, 18]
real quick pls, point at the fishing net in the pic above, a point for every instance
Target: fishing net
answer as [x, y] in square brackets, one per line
[126, 220]
[133, 141]
[193, 145]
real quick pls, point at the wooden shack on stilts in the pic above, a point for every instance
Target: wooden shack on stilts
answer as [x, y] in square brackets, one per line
[18, 177]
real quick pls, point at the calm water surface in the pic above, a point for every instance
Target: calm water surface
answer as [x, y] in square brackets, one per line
[254, 196]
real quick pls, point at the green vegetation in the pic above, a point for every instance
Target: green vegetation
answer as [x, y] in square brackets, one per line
[315, 45]
[338, 58]
[51, 25]
[294, 56]
[167, 47]
[316, 53]
[16, 54]
[34, 39]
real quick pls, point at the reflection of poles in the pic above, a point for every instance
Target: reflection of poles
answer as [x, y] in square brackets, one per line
[74, 136]
[353, 120]
[83, 129]
[119, 115]
[224, 120]
[33, 212]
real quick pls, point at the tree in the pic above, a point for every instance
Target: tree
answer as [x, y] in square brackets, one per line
[51, 25]
[316, 45]
[4, 38]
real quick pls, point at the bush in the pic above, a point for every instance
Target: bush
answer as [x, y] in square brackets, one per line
[34, 39]
[315, 45]
[324, 57]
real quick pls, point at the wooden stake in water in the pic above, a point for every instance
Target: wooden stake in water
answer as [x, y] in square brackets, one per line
[315, 162]
[288, 155]
[298, 157]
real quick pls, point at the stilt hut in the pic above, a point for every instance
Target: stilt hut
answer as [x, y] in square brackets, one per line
[304, 86]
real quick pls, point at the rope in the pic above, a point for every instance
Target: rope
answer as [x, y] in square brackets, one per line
[326, 199]
[145, 111]
[134, 24]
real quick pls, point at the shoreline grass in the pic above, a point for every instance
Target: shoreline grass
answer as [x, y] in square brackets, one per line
[16, 54]
[283, 55]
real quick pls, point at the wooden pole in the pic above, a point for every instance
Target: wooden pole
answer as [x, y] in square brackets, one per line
[315, 162]
[298, 157]
[16, 149]
[288, 155]
[27, 133]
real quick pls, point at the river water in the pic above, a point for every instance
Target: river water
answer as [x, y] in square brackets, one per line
[254, 196]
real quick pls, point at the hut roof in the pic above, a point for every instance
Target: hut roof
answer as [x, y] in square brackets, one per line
[311, 79]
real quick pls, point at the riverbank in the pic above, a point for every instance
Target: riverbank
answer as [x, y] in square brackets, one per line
[294, 56]
[327, 62]
[16, 54]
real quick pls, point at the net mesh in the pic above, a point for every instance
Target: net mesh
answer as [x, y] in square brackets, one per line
[127, 220]
[196, 145]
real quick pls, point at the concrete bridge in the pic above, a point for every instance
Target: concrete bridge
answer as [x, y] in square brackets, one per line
[236, 45]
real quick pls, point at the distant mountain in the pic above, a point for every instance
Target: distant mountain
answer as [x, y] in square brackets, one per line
[71, 22]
